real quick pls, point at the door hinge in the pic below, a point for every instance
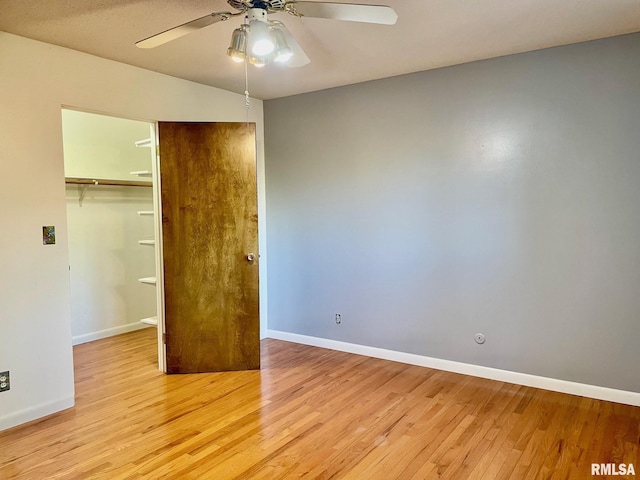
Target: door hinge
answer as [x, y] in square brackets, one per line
[164, 338]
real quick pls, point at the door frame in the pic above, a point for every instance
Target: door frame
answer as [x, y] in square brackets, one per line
[157, 208]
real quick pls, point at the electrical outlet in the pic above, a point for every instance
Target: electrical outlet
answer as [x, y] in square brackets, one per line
[338, 318]
[5, 384]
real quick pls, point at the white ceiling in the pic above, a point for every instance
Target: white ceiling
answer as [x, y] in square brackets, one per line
[429, 34]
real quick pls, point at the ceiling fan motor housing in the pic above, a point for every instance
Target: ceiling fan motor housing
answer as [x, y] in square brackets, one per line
[256, 13]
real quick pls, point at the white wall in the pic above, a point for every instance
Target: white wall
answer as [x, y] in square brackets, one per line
[499, 197]
[99, 146]
[106, 261]
[37, 80]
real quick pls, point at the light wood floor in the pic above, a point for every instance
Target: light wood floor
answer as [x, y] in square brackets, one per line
[310, 413]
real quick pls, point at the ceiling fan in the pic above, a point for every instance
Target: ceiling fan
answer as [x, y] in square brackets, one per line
[260, 40]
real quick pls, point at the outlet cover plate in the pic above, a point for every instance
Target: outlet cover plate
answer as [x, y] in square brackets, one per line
[5, 384]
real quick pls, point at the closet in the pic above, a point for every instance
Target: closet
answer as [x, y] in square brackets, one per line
[165, 239]
[109, 173]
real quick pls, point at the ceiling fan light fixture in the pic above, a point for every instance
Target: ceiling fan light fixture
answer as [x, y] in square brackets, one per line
[238, 48]
[282, 52]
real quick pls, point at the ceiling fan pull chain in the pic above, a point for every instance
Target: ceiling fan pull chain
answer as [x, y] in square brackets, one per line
[247, 101]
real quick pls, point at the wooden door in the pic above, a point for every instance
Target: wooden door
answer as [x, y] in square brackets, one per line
[209, 229]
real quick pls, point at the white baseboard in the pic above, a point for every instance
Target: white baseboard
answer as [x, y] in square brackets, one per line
[545, 383]
[34, 413]
[109, 332]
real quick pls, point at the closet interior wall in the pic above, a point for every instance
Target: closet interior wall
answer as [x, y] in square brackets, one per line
[105, 227]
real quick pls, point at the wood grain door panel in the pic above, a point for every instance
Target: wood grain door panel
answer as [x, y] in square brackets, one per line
[209, 225]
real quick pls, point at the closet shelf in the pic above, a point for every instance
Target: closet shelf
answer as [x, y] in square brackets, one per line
[141, 173]
[146, 242]
[106, 181]
[143, 213]
[148, 280]
[150, 321]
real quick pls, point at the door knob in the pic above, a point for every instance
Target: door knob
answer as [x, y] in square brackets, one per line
[251, 257]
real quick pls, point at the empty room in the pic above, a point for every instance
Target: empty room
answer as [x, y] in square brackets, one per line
[263, 239]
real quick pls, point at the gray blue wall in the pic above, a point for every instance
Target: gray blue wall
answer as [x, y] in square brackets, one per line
[501, 197]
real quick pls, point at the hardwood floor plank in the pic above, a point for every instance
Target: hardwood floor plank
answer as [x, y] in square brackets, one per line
[310, 413]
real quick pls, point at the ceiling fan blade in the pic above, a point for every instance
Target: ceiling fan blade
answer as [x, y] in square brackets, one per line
[181, 30]
[299, 59]
[345, 11]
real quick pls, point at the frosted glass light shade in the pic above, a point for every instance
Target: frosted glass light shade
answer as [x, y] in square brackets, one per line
[260, 39]
[282, 51]
[257, 61]
[238, 48]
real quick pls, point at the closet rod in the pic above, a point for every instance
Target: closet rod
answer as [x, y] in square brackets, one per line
[105, 181]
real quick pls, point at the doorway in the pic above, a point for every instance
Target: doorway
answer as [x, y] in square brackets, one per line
[111, 228]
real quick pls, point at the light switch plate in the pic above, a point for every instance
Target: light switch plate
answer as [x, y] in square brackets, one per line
[49, 235]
